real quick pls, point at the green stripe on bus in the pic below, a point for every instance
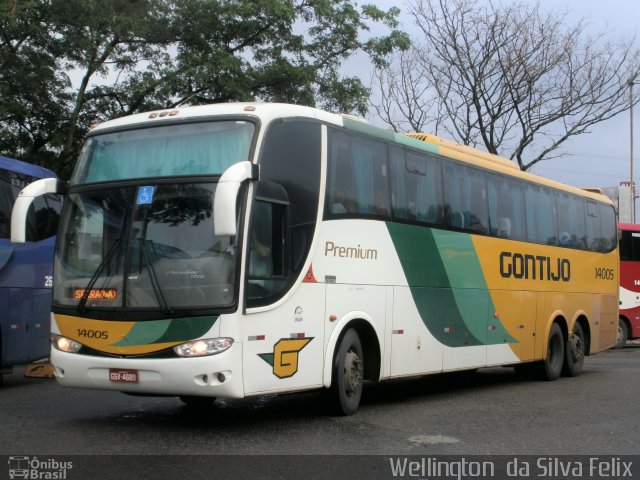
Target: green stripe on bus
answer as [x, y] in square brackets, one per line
[166, 331]
[447, 285]
[401, 138]
[368, 129]
[417, 144]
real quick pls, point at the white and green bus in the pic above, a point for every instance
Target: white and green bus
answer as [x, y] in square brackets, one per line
[236, 250]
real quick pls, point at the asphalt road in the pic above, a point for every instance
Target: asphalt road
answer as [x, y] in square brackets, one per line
[491, 411]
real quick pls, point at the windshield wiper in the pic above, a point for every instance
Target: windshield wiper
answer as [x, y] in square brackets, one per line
[157, 289]
[92, 281]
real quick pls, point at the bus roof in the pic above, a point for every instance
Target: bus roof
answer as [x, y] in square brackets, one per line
[25, 168]
[634, 227]
[270, 111]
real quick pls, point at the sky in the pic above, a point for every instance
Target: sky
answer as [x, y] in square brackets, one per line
[600, 158]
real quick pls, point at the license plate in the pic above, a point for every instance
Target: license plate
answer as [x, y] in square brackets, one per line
[121, 375]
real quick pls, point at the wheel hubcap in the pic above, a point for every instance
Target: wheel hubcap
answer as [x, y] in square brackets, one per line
[352, 373]
[577, 348]
[619, 333]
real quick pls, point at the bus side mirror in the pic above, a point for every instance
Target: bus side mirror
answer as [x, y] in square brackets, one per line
[24, 201]
[225, 198]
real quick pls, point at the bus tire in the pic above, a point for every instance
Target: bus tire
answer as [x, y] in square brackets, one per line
[551, 368]
[347, 377]
[623, 333]
[574, 353]
[196, 402]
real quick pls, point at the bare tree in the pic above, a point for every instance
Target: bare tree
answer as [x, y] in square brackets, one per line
[508, 78]
[405, 102]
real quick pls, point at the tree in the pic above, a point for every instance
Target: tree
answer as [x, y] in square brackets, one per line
[508, 78]
[138, 55]
[32, 95]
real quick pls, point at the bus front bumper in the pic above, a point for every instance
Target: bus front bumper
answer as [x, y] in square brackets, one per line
[210, 376]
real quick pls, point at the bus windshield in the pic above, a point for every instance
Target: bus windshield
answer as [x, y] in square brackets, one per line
[143, 247]
[188, 149]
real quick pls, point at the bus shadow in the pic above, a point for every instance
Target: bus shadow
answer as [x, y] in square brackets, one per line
[281, 413]
[439, 385]
[280, 409]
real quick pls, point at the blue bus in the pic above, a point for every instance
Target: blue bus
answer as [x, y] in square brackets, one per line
[25, 269]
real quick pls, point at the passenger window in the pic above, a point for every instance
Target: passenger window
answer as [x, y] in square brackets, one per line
[358, 181]
[417, 188]
[506, 207]
[609, 230]
[571, 223]
[541, 215]
[465, 198]
[594, 228]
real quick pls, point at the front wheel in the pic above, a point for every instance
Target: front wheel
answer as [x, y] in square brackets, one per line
[574, 353]
[348, 374]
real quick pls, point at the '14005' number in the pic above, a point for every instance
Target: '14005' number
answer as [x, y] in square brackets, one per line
[99, 334]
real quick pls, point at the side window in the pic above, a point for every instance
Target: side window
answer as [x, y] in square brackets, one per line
[506, 207]
[358, 182]
[541, 215]
[6, 204]
[626, 246]
[571, 221]
[465, 198]
[266, 251]
[289, 158]
[10, 185]
[417, 187]
[594, 227]
[629, 246]
[399, 197]
[608, 227]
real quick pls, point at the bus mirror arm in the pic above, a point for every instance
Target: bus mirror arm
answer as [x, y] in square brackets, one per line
[24, 201]
[226, 195]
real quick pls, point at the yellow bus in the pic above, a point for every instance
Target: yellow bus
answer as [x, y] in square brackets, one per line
[247, 249]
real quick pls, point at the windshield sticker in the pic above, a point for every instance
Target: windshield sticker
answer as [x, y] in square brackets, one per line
[145, 195]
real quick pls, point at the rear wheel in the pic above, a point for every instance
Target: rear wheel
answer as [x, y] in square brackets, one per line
[551, 367]
[623, 333]
[574, 353]
[348, 374]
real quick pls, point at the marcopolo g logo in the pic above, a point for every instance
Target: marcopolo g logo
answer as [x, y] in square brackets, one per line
[284, 358]
[534, 267]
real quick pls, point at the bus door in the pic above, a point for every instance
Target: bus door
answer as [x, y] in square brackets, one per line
[283, 346]
[283, 339]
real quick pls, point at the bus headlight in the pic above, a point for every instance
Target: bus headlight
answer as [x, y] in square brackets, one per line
[65, 344]
[201, 348]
